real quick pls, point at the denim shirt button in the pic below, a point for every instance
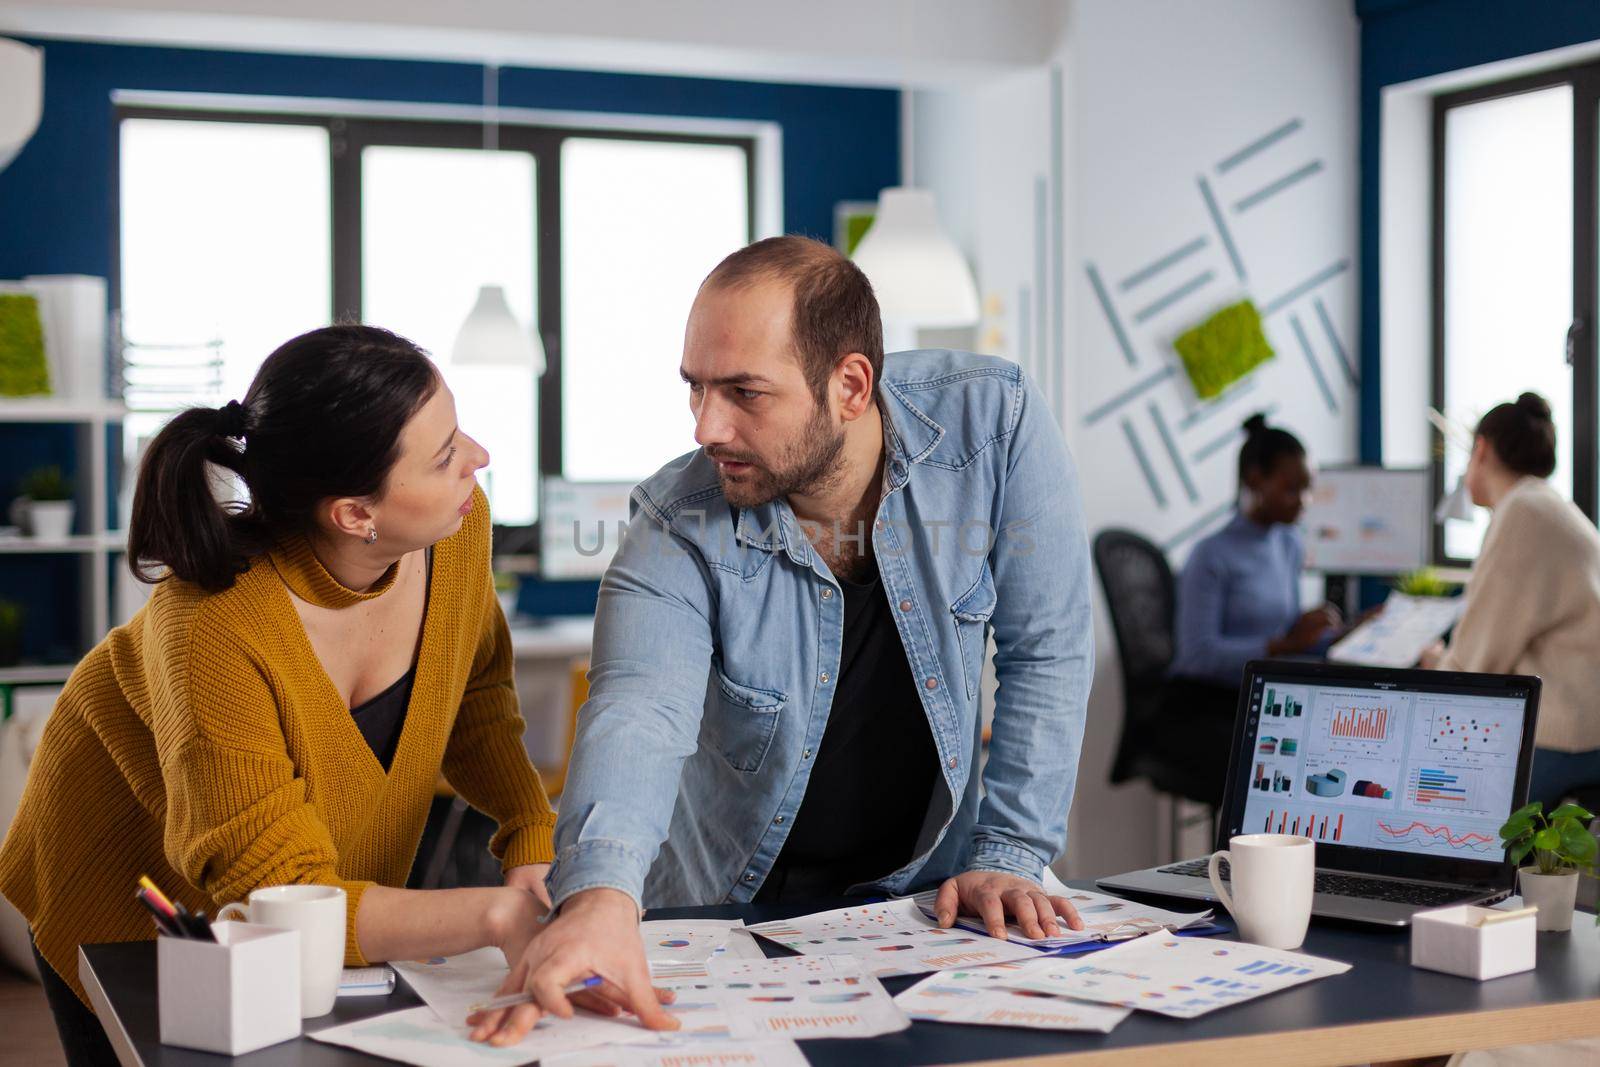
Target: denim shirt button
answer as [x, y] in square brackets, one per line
[824, 678]
[827, 594]
[749, 876]
[953, 762]
[905, 605]
[806, 754]
[931, 683]
[779, 820]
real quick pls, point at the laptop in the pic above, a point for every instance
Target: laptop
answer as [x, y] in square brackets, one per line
[1401, 777]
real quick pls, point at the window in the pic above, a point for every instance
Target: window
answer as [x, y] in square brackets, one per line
[251, 228]
[1514, 225]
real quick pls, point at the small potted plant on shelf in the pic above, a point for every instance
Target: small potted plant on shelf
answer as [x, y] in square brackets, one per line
[10, 633]
[1425, 582]
[48, 511]
[1561, 847]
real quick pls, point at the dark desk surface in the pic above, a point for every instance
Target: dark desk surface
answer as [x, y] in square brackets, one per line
[1382, 1008]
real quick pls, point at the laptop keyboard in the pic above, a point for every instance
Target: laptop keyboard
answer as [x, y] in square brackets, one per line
[1347, 885]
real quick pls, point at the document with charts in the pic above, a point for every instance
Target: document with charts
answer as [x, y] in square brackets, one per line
[696, 1054]
[451, 985]
[802, 997]
[418, 1036]
[889, 939]
[1105, 918]
[1399, 634]
[979, 995]
[1178, 976]
[678, 945]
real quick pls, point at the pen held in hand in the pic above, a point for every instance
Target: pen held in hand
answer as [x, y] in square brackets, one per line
[511, 1000]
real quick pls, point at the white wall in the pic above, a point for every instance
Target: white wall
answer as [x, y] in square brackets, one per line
[1155, 96]
[884, 42]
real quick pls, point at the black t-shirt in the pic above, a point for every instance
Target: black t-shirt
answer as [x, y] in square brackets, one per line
[382, 718]
[875, 770]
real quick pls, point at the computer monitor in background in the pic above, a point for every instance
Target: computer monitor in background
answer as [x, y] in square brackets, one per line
[1368, 520]
[580, 526]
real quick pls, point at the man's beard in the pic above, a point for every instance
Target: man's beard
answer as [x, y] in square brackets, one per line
[806, 465]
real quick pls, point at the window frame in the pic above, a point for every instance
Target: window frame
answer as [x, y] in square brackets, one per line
[1584, 447]
[349, 133]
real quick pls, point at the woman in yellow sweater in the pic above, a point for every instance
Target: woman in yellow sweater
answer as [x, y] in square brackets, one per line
[281, 708]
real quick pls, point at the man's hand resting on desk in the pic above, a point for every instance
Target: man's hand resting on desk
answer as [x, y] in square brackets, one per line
[596, 933]
[992, 895]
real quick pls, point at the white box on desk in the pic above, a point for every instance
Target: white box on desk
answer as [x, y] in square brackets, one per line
[235, 995]
[1447, 940]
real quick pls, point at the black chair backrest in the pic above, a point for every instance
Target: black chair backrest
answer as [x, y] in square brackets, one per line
[1140, 593]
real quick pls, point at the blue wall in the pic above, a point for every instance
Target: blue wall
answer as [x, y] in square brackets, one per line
[1406, 39]
[56, 198]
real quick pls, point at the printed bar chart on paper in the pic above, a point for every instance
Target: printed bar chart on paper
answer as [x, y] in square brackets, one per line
[1180, 977]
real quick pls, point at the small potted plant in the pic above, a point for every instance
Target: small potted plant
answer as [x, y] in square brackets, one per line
[49, 508]
[1424, 582]
[1562, 848]
[10, 633]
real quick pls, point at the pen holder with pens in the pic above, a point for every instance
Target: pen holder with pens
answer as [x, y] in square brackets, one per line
[233, 995]
[1474, 942]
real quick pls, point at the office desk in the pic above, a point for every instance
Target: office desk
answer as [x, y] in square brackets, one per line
[1381, 1009]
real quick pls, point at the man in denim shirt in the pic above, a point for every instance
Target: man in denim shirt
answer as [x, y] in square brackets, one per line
[784, 695]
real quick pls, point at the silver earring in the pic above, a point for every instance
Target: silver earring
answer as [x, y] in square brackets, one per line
[372, 535]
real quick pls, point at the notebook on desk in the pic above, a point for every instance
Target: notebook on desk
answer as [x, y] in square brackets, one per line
[1401, 777]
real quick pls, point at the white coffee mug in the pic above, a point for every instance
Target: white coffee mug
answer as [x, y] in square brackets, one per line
[318, 912]
[1273, 877]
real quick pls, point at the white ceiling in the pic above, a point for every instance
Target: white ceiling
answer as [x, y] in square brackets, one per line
[854, 42]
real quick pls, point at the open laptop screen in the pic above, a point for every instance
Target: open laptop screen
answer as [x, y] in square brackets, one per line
[1409, 762]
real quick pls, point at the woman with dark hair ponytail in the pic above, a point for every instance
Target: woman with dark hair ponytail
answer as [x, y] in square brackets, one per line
[1239, 595]
[1533, 605]
[1239, 600]
[312, 658]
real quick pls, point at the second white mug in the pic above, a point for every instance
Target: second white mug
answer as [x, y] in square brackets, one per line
[1273, 878]
[318, 912]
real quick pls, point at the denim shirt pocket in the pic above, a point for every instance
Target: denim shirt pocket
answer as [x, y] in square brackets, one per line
[740, 721]
[972, 612]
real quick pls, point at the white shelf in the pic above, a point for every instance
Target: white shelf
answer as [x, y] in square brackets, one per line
[24, 546]
[60, 409]
[43, 675]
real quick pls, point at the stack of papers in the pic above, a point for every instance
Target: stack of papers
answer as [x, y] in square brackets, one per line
[1180, 977]
[733, 1009]
[1105, 918]
[890, 939]
[981, 996]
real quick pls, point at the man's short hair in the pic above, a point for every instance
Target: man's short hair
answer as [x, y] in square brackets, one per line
[834, 312]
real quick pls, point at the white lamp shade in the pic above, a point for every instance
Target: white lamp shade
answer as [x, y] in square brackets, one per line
[492, 336]
[917, 272]
[21, 96]
[1457, 504]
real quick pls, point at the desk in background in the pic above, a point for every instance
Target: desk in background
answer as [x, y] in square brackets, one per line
[1381, 1009]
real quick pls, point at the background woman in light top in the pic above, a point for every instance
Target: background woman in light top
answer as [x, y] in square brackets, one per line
[1239, 594]
[281, 709]
[1533, 605]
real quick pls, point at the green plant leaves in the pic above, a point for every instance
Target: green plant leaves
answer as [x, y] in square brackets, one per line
[1572, 811]
[1577, 844]
[1547, 840]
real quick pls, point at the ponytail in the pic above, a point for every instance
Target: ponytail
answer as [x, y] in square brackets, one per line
[321, 420]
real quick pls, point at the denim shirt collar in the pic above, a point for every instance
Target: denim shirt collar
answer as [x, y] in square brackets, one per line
[910, 436]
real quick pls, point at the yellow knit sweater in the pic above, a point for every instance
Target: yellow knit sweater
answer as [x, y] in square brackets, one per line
[203, 744]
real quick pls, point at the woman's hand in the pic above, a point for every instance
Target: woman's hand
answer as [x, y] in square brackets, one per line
[1432, 656]
[531, 878]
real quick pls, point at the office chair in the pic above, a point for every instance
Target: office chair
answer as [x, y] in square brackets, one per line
[1163, 741]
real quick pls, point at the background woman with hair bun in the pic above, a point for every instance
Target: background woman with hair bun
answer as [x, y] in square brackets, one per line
[1533, 605]
[308, 664]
